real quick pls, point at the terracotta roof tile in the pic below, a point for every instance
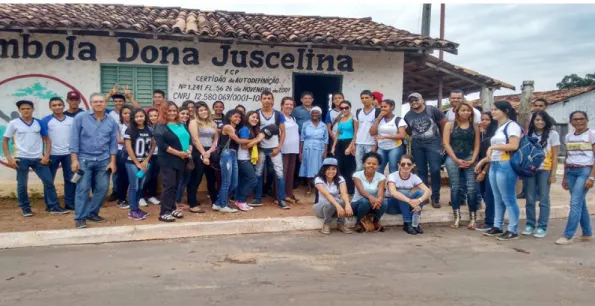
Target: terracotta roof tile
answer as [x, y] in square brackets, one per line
[552, 96]
[217, 24]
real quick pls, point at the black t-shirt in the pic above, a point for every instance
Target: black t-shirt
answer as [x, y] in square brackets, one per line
[218, 122]
[141, 142]
[425, 126]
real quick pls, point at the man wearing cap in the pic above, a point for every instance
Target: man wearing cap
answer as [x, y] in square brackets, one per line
[93, 149]
[30, 136]
[73, 98]
[424, 125]
[377, 98]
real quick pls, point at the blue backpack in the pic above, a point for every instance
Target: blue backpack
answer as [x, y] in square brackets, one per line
[525, 161]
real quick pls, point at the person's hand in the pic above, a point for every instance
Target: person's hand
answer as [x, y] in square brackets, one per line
[45, 160]
[379, 137]
[111, 166]
[460, 163]
[206, 161]
[333, 151]
[382, 114]
[552, 179]
[348, 210]
[275, 151]
[260, 136]
[182, 155]
[127, 92]
[489, 154]
[340, 212]
[375, 202]
[324, 155]
[114, 90]
[352, 150]
[565, 184]
[13, 163]
[74, 166]
[479, 166]
[588, 184]
[480, 177]
[144, 165]
[417, 208]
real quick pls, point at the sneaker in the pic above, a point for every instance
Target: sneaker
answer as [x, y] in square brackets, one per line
[123, 204]
[144, 212]
[80, 223]
[58, 211]
[586, 238]
[494, 231]
[167, 218]
[136, 215]
[154, 201]
[243, 206]
[255, 203]
[409, 229]
[540, 233]
[418, 230]
[508, 236]
[563, 241]
[68, 207]
[227, 209]
[326, 229]
[26, 212]
[436, 203]
[113, 197]
[215, 207]
[343, 228]
[528, 230]
[96, 219]
[483, 228]
[283, 205]
[142, 203]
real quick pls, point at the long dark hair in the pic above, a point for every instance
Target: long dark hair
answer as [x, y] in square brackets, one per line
[254, 130]
[492, 128]
[546, 129]
[505, 107]
[230, 113]
[133, 127]
[340, 114]
[322, 174]
[164, 109]
[122, 111]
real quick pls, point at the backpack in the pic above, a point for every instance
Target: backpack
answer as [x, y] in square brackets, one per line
[525, 161]
[277, 115]
[359, 110]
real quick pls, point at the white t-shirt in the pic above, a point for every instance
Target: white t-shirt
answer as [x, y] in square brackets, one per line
[27, 137]
[115, 116]
[59, 133]
[365, 123]
[371, 188]
[450, 115]
[553, 140]
[291, 145]
[273, 142]
[390, 128]
[513, 129]
[408, 183]
[123, 128]
[333, 189]
[579, 148]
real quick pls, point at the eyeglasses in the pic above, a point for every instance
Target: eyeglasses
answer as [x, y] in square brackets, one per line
[406, 164]
[344, 108]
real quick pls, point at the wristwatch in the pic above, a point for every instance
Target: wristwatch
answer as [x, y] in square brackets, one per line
[592, 178]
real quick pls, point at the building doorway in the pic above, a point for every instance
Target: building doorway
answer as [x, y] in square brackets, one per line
[321, 86]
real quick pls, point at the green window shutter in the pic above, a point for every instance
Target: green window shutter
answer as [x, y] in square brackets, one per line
[142, 80]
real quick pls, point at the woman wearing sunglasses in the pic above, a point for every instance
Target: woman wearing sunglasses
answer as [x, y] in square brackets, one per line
[406, 195]
[344, 144]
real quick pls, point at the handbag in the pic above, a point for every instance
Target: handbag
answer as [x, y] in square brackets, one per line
[368, 223]
[189, 165]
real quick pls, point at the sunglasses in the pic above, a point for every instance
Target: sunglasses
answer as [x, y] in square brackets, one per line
[406, 164]
[344, 108]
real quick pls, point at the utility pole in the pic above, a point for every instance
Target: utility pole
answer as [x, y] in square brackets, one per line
[426, 17]
[441, 54]
[524, 110]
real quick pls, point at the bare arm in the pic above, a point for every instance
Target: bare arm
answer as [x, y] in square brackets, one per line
[253, 142]
[281, 135]
[229, 131]
[512, 145]
[193, 127]
[476, 143]
[374, 128]
[128, 145]
[48, 146]
[355, 127]
[446, 142]
[7, 153]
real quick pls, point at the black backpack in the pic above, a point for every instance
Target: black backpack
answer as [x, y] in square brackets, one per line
[359, 110]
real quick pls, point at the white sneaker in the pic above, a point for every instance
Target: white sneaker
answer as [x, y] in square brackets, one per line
[564, 241]
[215, 207]
[154, 201]
[142, 202]
[227, 209]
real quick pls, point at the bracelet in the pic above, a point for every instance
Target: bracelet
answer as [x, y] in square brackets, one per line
[483, 172]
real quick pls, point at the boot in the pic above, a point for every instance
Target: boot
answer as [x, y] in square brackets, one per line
[409, 229]
[472, 220]
[457, 218]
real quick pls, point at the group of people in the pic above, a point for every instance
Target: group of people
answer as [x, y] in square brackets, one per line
[344, 157]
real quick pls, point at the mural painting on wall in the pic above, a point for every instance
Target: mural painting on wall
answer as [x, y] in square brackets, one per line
[37, 88]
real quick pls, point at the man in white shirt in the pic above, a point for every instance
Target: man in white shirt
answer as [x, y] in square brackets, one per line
[457, 97]
[30, 136]
[365, 117]
[59, 128]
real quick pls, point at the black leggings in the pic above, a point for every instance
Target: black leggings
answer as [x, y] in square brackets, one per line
[171, 178]
[346, 163]
[122, 175]
[151, 186]
[196, 178]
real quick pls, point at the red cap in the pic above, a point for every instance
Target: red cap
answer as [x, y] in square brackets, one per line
[73, 95]
[378, 96]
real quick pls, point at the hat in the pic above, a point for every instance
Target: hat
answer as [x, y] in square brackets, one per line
[378, 96]
[316, 108]
[329, 161]
[415, 95]
[23, 102]
[270, 131]
[73, 95]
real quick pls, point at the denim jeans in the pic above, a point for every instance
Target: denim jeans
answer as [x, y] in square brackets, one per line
[248, 176]
[488, 198]
[136, 185]
[395, 206]
[455, 175]
[579, 214]
[428, 154]
[390, 157]
[503, 181]
[45, 175]
[360, 151]
[278, 167]
[328, 211]
[182, 186]
[229, 175]
[362, 207]
[69, 188]
[121, 176]
[538, 183]
[96, 175]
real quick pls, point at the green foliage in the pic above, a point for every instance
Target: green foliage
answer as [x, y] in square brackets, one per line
[36, 90]
[573, 81]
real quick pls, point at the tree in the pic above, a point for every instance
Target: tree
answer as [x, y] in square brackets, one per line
[573, 81]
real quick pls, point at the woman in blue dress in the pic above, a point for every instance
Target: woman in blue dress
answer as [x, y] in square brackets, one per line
[313, 142]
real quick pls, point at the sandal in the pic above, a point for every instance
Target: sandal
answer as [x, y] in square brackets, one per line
[167, 218]
[177, 214]
[197, 210]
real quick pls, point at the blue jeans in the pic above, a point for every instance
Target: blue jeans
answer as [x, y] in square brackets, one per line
[247, 175]
[428, 154]
[395, 206]
[135, 185]
[360, 151]
[488, 199]
[538, 183]
[455, 175]
[229, 175]
[45, 175]
[390, 157]
[579, 214]
[182, 186]
[96, 175]
[69, 188]
[363, 206]
[277, 166]
[503, 181]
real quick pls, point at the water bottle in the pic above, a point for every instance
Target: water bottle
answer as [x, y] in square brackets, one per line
[141, 173]
[415, 219]
[77, 176]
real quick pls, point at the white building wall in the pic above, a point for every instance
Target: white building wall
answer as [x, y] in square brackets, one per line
[585, 102]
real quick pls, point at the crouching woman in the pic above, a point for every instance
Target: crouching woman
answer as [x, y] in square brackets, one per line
[369, 192]
[332, 197]
[407, 194]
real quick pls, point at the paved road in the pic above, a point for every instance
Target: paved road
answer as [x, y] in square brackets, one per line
[442, 267]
